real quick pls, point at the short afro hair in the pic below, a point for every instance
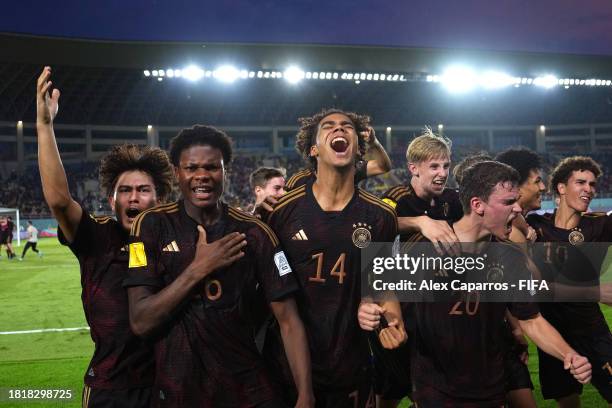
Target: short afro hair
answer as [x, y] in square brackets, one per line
[563, 171]
[130, 157]
[200, 135]
[309, 126]
[479, 180]
[521, 159]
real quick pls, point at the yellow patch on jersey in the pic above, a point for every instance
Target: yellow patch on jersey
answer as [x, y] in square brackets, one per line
[390, 202]
[138, 257]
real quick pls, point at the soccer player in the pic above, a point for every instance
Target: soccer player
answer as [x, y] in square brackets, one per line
[32, 241]
[378, 163]
[9, 240]
[322, 225]
[267, 183]
[195, 269]
[134, 178]
[574, 182]
[457, 359]
[6, 234]
[426, 203]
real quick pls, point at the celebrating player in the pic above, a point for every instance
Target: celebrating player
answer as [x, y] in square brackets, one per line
[195, 269]
[574, 182]
[322, 225]
[134, 178]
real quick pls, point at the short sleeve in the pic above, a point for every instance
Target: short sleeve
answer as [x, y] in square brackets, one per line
[274, 272]
[144, 268]
[88, 228]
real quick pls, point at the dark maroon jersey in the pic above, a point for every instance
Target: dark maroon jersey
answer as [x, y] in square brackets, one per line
[206, 355]
[323, 248]
[563, 262]
[304, 176]
[121, 360]
[459, 345]
[407, 204]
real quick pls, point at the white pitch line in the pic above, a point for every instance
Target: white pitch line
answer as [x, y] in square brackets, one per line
[46, 330]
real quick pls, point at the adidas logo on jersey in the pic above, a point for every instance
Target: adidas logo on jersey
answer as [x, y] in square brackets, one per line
[300, 236]
[171, 247]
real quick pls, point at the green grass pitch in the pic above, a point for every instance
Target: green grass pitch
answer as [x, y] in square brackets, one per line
[46, 293]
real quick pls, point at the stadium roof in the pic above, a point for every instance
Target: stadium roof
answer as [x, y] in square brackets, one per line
[102, 82]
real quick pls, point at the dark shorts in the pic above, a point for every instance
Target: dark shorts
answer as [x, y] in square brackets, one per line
[429, 397]
[517, 373]
[557, 382]
[103, 398]
[362, 396]
[391, 370]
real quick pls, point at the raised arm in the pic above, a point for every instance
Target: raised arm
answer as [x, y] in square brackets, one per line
[379, 161]
[54, 183]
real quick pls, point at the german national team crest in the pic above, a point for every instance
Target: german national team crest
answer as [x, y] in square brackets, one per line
[576, 237]
[495, 273]
[361, 235]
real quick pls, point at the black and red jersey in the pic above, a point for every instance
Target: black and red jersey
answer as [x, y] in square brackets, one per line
[121, 360]
[407, 204]
[458, 343]
[567, 258]
[206, 355]
[323, 248]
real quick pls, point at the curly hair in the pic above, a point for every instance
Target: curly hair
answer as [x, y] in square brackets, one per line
[563, 171]
[201, 135]
[309, 127]
[522, 159]
[130, 157]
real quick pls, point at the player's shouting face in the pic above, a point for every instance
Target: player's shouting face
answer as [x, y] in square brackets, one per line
[431, 174]
[336, 141]
[200, 174]
[134, 192]
[500, 209]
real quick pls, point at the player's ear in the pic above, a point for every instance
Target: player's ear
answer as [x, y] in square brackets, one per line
[111, 202]
[477, 205]
[561, 188]
[176, 172]
[413, 169]
[314, 151]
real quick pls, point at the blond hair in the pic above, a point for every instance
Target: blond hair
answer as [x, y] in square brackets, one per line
[428, 146]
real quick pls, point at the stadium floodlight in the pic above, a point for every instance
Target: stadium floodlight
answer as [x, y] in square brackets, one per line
[383, 77]
[293, 75]
[259, 74]
[357, 82]
[335, 75]
[495, 80]
[159, 79]
[193, 73]
[388, 129]
[154, 73]
[547, 81]
[375, 77]
[608, 82]
[244, 74]
[226, 73]
[170, 73]
[459, 79]
[161, 72]
[178, 73]
[147, 73]
[251, 74]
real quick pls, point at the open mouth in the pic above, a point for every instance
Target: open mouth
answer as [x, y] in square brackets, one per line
[585, 199]
[339, 144]
[132, 212]
[202, 192]
[439, 183]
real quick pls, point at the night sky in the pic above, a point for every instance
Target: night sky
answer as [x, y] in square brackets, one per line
[567, 26]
